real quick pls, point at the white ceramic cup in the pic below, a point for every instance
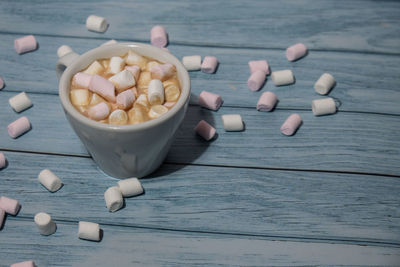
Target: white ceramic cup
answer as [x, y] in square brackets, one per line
[124, 151]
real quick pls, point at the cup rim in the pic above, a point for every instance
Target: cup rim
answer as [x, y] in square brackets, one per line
[96, 53]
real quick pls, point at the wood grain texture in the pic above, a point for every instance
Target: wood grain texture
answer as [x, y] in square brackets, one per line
[278, 205]
[267, 24]
[359, 76]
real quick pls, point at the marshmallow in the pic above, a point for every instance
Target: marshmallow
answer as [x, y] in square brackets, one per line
[45, 224]
[80, 97]
[282, 77]
[20, 102]
[156, 111]
[9, 205]
[109, 42]
[49, 180]
[324, 84]
[135, 70]
[3, 161]
[96, 99]
[209, 64]
[144, 80]
[125, 99]
[2, 216]
[256, 80]
[89, 231]
[103, 87]
[296, 51]
[137, 115]
[96, 23]
[142, 102]
[162, 72]
[82, 79]
[113, 198]
[171, 90]
[118, 117]
[192, 62]
[24, 264]
[323, 106]
[19, 127]
[136, 59]
[116, 64]
[169, 105]
[123, 80]
[99, 112]
[1, 83]
[151, 64]
[25, 44]
[63, 50]
[205, 130]
[261, 65]
[94, 68]
[130, 187]
[155, 92]
[292, 123]
[210, 100]
[158, 36]
[232, 122]
[267, 101]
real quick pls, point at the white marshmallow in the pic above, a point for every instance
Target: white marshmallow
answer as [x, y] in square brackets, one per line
[157, 110]
[192, 62]
[116, 64]
[282, 77]
[89, 231]
[135, 70]
[136, 59]
[323, 106]
[49, 180]
[20, 102]
[155, 92]
[96, 23]
[123, 80]
[324, 84]
[113, 198]
[63, 50]
[118, 117]
[130, 187]
[45, 224]
[94, 68]
[80, 97]
[142, 102]
[232, 122]
[109, 42]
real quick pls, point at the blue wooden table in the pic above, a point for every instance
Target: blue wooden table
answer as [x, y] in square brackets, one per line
[329, 195]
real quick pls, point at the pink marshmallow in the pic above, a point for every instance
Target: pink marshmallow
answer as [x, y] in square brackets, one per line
[2, 160]
[9, 205]
[158, 36]
[82, 79]
[256, 80]
[205, 130]
[209, 64]
[210, 100]
[19, 127]
[267, 101]
[25, 44]
[2, 215]
[24, 264]
[169, 105]
[103, 87]
[99, 112]
[256, 65]
[162, 72]
[125, 99]
[292, 123]
[296, 51]
[1, 83]
[135, 70]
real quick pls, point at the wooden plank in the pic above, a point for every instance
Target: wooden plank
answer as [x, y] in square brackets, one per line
[342, 142]
[280, 205]
[267, 24]
[357, 75]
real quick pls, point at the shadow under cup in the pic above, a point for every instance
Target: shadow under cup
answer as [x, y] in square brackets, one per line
[124, 151]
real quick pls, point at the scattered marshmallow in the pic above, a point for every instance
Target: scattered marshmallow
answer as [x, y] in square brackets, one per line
[162, 72]
[157, 110]
[103, 87]
[205, 130]
[296, 51]
[136, 59]
[9, 205]
[94, 68]
[158, 36]
[2, 216]
[324, 106]
[123, 80]
[267, 101]
[20, 102]
[282, 77]
[1, 83]
[113, 198]
[209, 64]
[324, 84]
[292, 123]
[261, 65]
[49, 180]
[63, 50]
[96, 23]
[192, 62]
[45, 224]
[116, 64]
[82, 79]
[130, 187]
[25, 44]
[110, 42]
[80, 97]
[256, 80]
[118, 117]
[232, 122]
[135, 70]
[3, 161]
[125, 99]
[19, 127]
[210, 100]
[89, 231]
[155, 92]
[24, 264]
[99, 112]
